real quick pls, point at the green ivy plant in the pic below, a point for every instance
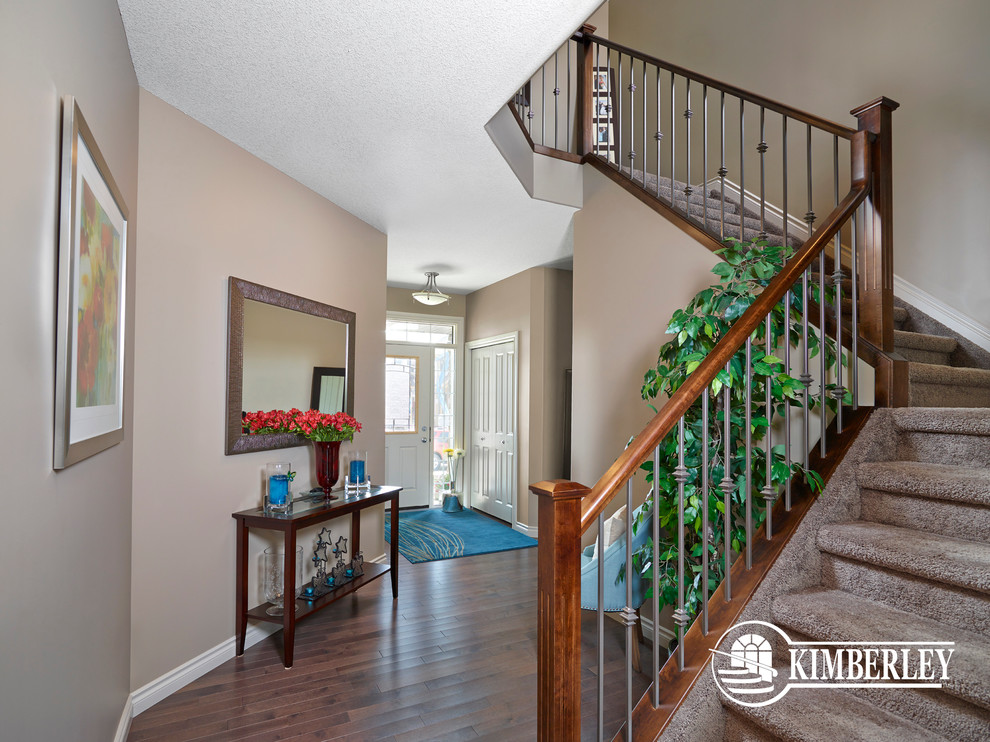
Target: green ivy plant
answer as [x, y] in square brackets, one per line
[745, 270]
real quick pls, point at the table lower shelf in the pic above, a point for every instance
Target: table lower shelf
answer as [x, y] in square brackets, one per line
[305, 607]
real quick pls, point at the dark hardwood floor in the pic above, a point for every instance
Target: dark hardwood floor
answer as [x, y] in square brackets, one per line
[453, 658]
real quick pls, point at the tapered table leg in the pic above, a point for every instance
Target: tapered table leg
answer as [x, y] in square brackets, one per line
[394, 550]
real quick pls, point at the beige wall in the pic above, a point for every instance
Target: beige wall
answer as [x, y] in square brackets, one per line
[211, 210]
[930, 57]
[632, 269]
[400, 300]
[64, 536]
[536, 303]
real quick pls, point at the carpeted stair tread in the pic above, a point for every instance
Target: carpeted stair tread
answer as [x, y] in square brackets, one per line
[947, 604]
[900, 315]
[923, 479]
[931, 373]
[953, 561]
[934, 385]
[953, 420]
[834, 615]
[809, 715]
[938, 516]
[921, 341]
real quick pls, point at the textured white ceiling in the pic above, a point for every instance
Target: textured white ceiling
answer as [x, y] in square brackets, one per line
[377, 105]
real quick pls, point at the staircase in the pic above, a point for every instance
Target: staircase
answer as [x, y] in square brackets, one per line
[720, 215]
[897, 548]
[913, 566]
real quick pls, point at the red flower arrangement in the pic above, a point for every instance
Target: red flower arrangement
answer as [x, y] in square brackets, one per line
[311, 424]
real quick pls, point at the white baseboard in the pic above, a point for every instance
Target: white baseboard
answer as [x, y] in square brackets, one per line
[124, 727]
[939, 311]
[380, 559]
[531, 531]
[161, 688]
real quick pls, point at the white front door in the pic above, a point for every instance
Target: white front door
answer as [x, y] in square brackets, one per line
[409, 423]
[493, 429]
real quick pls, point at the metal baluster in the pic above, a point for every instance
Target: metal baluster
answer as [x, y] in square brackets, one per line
[600, 618]
[787, 404]
[762, 149]
[722, 171]
[805, 372]
[837, 282]
[854, 353]
[704, 511]
[629, 613]
[609, 144]
[726, 483]
[821, 344]
[529, 104]
[632, 117]
[680, 614]
[748, 381]
[769, 492]
[656, 576]
[659, 135]
[673, 138]
[597, 97]
[704, 153]
[556, 96]
[644, 127]
[567, 101]
[688, 113]
[784, 153]
[618, 129]
[543, 112]
[742, 169]
[809, 217]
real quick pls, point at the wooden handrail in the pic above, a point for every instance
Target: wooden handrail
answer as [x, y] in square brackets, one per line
[771, 105]
[628, 462]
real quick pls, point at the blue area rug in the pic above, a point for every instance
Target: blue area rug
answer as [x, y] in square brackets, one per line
[430, 535]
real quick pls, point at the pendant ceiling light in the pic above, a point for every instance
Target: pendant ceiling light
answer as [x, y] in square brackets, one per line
[430, 294]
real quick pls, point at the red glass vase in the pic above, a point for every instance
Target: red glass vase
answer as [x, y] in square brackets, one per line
[327, 465]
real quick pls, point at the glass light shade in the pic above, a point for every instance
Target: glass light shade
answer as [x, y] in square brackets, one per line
[430, 295]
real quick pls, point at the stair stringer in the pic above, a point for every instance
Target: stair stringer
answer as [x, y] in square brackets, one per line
[701, 715]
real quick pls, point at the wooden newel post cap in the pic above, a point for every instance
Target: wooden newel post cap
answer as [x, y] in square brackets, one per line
[881, 102]
[588, 29]
[559, 489]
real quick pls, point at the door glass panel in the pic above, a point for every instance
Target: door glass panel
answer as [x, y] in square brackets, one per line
[444, 376]
[401, 386]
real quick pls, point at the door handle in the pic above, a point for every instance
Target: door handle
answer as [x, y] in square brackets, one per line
[423, 440]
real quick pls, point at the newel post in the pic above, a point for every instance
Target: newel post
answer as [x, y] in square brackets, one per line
[876, 247]
[583, 104]
[876, 282]
[558, 667]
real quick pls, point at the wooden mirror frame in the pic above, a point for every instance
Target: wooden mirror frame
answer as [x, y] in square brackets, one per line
[237, 291]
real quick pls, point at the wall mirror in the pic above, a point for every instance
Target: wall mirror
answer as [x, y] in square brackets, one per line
[284, 351]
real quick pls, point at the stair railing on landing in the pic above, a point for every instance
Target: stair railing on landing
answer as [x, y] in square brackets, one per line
[858, 229]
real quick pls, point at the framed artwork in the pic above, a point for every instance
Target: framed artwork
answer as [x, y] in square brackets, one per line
[605, 113]
[92, 270]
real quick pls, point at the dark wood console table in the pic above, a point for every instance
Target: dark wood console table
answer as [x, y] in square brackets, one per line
[307, 513]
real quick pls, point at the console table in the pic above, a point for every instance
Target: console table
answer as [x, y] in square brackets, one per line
[308, 513]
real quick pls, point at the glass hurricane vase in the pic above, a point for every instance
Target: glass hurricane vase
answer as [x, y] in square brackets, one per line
[327, 465]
